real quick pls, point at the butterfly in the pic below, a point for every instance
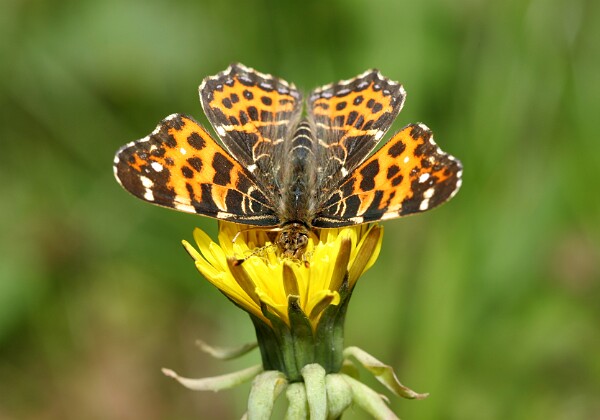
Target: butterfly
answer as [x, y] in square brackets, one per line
[280, 169]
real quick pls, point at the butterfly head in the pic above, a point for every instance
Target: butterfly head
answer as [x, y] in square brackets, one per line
[292, 240]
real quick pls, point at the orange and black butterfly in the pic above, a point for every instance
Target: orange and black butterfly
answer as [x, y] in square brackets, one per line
[282, 169]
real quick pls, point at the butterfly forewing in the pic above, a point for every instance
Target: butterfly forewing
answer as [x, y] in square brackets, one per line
[350, 117]
[253, 114]
[180, 166]
[409, 174]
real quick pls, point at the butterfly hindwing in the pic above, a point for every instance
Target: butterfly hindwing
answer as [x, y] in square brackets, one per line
[180, 166]
[253, 114]
[409, 174]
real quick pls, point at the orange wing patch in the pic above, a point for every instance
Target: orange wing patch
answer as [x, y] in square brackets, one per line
[410, 174]
[180, 166]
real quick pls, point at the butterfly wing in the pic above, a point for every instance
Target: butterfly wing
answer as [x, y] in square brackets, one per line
[409, 174]
[253, 114]
[180, 166]
[350, 117]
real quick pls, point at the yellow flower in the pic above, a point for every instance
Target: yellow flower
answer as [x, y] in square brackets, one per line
[298, 309]
[249, 269]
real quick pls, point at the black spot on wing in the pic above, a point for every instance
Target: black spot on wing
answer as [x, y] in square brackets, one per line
[360, 122]
[206, 205]
[187, 172]
[195, 163]
[397, 149]
[340, 106]
[196, 141]
[397, 181]
[233, 201]
[352, 204]
[392, 171]
[253, 113]
[222, 167]
[368, 174]
[227, 103]
[352, 116]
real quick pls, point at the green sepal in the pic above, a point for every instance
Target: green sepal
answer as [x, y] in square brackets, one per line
[268, 343]
[329, 336]
[302, 336]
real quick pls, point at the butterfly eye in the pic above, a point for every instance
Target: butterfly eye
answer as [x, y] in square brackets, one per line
[302, 240]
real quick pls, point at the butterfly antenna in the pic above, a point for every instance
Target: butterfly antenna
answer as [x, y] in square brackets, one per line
[255, 251]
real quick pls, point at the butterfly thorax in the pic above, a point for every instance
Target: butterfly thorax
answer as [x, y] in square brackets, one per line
[297, 178]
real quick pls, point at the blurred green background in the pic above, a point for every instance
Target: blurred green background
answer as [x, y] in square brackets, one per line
[491, 303]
